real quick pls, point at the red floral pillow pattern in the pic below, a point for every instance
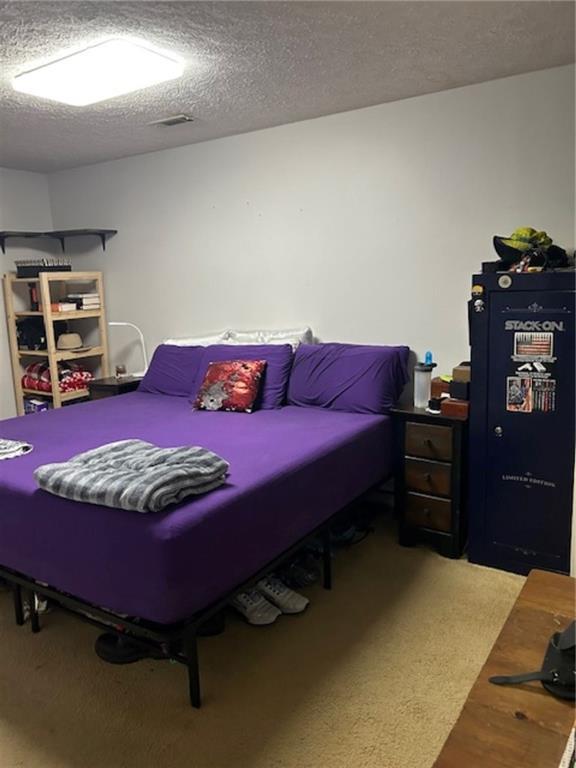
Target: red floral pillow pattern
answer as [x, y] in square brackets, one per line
[230, 385]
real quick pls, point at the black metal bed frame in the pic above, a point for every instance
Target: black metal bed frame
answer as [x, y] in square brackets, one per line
[179, 641]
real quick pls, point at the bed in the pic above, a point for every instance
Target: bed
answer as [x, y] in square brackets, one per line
[290, 469]
[159, 576]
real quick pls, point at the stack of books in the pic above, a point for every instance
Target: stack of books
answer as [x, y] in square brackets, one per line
[85, 301]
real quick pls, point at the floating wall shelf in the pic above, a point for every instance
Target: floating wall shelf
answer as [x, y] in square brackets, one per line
[60, 235]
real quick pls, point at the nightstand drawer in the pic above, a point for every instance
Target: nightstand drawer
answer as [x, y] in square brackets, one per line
[428, 512]
[428, 476]
[428, 441]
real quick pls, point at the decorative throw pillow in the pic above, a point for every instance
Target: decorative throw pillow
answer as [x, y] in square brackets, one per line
[230, 385]
[274, 382]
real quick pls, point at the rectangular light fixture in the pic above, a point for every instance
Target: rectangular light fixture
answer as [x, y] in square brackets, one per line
[100, 72]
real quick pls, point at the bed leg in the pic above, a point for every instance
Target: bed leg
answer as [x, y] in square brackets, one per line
[34, 618]
[191, 650]
[326, 560]
[18, 607]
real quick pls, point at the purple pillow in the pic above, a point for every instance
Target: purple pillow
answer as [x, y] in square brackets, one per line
[348, 377]
[278, 359]
[172, 371]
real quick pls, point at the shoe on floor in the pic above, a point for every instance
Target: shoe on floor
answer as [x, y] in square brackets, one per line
[282, 596]
[42, 606]
[255, 608]
[122, 650]
[303, 572]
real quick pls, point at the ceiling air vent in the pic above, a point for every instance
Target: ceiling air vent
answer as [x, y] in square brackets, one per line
[173, 120]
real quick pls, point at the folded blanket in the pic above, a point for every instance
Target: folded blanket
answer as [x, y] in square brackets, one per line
[135, 475]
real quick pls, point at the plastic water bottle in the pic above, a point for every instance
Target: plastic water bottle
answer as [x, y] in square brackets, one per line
[423, 381]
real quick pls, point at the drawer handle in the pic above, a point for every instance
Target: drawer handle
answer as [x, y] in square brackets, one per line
[427, 513]
[428, 478]
[428, 443]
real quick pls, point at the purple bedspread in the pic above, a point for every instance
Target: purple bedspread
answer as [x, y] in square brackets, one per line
[290, 469]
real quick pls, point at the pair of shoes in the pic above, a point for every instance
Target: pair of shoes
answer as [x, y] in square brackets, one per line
[284, 598]
[270, 599]
[255, 608]
[124, 650]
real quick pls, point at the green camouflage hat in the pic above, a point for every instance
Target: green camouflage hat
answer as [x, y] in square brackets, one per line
[521, 240]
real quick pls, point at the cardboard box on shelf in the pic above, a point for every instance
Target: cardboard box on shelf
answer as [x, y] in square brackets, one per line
[462, 372]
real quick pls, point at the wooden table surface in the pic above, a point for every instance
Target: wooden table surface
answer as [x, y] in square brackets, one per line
[517, 726]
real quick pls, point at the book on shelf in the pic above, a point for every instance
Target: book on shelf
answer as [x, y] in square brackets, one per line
[63, 306]
[91, 301]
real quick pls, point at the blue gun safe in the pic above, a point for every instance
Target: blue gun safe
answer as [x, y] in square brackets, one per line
[522, 412]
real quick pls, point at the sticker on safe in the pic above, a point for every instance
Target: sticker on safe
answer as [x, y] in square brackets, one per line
[544, 395]
[519, 394]
[533, 346]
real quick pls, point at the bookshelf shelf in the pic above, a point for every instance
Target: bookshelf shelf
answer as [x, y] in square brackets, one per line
[28, 314]
[61, 355]
[52, 354]
[79, 315]
[71, 355]
[65, 397]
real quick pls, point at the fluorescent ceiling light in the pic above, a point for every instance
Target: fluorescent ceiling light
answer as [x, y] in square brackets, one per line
[99, 72]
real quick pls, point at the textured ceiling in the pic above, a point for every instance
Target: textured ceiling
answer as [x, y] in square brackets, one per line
[252, 65]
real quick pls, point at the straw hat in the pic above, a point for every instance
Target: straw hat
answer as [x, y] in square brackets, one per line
[69, 341]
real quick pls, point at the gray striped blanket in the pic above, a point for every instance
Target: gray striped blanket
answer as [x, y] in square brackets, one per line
[135, 475]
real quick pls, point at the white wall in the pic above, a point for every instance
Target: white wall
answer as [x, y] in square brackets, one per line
[366, 225]
[24, 204]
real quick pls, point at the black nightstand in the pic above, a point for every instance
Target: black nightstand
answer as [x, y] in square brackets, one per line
[112, 386]
[430, 479]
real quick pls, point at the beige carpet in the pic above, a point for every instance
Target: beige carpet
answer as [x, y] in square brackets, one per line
[374, 674]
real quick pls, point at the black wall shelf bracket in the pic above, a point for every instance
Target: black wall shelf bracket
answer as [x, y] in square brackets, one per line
[58, 234]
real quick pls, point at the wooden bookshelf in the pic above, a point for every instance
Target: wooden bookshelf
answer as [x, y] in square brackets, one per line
[21, 357]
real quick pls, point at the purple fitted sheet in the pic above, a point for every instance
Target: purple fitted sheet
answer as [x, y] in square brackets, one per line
[290, 469]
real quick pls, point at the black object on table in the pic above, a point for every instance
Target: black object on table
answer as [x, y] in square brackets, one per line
[112, 386]
[430, 479]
